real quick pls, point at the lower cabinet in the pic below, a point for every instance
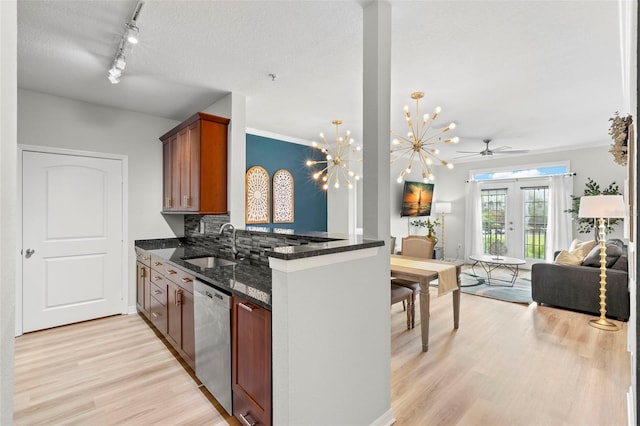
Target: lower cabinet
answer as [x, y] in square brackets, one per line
[143, 285]
[171, 307]
[251, 355]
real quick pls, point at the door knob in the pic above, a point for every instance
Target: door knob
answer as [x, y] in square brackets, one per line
[29, 252]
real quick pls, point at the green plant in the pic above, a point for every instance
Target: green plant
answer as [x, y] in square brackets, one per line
[586, 225]
[430, 224]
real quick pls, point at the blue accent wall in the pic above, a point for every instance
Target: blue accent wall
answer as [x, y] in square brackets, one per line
[310, 200]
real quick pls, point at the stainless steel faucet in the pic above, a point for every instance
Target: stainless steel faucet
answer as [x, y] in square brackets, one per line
[234, 247]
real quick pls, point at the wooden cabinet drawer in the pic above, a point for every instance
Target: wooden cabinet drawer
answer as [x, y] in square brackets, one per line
[157, 263]
[158, 315]
[143, 257]
[159, 292]
[182, 278]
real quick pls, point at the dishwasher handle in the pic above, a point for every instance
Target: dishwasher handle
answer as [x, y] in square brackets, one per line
[215, 296]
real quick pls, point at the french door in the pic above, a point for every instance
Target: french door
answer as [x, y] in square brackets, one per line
[514, 219]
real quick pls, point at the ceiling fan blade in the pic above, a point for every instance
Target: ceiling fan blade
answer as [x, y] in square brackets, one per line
[469, 152]
[501, 148]
[514, 151]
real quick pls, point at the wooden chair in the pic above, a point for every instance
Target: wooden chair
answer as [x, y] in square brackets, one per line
[415, 246]
[404, 294]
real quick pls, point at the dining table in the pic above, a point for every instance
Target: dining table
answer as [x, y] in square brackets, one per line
[424, 271]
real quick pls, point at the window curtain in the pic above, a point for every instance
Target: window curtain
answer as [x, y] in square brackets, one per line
[473, 220]
[559, 226]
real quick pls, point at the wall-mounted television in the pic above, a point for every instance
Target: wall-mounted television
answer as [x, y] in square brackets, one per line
[416, 199]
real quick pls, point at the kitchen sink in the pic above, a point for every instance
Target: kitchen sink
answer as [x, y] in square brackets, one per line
[209, 262]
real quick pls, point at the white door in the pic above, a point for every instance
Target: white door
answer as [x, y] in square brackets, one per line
[514, 219]
[72, 239]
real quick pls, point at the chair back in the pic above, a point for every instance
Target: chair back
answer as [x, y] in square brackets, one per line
[418, 246]
[392, 245]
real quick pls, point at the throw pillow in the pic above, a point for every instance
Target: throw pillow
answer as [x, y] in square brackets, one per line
[583, 246]
[613, 251]
[568, 258]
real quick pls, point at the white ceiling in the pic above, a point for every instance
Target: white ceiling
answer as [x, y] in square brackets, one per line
[537, 75]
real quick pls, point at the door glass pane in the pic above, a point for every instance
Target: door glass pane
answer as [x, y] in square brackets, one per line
[535, 221]
[493, 221]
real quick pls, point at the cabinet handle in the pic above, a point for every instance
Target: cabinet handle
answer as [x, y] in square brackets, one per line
[171, 271]
[146, 257]
[245, 421]
[178, 297]
[157, 263]
[245, 307]
[143, 273]
[157, 278]
[168, 202]
[156, 292]
[187, 280]
[187, 201]
[155, 315]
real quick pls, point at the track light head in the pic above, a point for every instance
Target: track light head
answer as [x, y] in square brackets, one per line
[132, 33]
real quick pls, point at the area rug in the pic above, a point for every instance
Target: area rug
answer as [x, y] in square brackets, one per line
[476, 285]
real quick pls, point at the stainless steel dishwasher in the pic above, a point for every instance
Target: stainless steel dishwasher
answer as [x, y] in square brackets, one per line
[212, 310]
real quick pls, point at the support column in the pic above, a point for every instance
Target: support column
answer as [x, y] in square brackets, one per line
[376, 120]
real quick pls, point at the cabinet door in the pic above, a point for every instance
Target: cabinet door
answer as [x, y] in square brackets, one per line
[170, 188]
[143, 288]
[188, 329]
[174, 314]
[189, 142]
[251, 362]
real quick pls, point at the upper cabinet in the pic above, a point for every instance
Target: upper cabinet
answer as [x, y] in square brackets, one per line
[195, 166]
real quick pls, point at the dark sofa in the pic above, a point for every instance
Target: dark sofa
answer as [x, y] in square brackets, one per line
[578, 287]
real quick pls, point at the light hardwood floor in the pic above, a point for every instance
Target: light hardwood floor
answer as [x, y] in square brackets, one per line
[507, 364]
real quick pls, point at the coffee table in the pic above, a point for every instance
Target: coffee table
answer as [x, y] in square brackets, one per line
[490, 263]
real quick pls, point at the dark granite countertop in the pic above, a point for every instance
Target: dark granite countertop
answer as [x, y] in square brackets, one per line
[245, 279]
[249, 278]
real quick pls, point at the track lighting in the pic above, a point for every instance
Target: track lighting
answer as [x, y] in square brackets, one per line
[127, 40]
[132, 33]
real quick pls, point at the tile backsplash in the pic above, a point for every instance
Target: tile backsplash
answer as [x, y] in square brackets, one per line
[204, 231]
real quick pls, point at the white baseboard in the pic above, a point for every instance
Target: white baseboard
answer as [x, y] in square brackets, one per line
[386, 419]
[132, 310]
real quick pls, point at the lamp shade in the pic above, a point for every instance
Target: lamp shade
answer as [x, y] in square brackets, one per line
[605, 206]
[442, 208]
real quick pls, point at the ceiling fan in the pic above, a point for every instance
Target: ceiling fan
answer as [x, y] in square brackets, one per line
[489, 152]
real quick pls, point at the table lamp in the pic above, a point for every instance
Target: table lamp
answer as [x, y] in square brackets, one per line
[601, 207]
[442, 208]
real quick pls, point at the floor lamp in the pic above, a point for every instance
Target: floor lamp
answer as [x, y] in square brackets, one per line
[601, 207]
[442, 208]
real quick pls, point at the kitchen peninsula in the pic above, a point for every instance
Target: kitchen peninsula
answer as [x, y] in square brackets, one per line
[329, 314]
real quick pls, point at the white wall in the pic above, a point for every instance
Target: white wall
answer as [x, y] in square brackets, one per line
[594, 162]
[234, 107]
[8, 220]
[47, 120]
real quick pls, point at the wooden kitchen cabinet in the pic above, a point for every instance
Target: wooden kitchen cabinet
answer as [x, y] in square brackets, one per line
[172, 307]
[251, 355]
[143, 282]
[195, 166]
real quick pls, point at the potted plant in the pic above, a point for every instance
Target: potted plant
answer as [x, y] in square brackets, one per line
[586, 225]
[430, 225]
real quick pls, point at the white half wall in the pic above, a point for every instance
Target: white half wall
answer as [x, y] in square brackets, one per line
[331, 339]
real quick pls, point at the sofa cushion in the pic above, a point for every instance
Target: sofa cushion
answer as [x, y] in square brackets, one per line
[622, 264]
[582, 248]
[613, 252]
[569, 258]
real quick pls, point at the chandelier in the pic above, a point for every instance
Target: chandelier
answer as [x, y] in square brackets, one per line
[420, 145]
[336, 160]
